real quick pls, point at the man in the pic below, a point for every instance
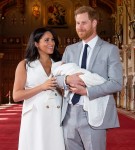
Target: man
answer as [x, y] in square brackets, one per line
[102, 58]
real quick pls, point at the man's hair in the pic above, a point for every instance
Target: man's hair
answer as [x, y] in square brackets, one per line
[92, 13]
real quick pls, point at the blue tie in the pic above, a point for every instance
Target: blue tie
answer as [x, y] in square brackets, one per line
[76, 97]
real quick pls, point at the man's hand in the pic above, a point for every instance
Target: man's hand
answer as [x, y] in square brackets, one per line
[74, 80]
[78, 89]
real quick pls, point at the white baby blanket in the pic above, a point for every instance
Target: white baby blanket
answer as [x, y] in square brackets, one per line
[96, 108]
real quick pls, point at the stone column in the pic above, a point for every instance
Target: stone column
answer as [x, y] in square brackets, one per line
[125, 93]
[125, 72]
[1, 56]
[118, 99]
[132, 104]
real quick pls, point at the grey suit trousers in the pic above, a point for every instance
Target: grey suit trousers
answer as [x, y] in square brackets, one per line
[78, 134]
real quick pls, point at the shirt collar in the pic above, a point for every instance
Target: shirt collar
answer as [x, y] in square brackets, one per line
[92, 42]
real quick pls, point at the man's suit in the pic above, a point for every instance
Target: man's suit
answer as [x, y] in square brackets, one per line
[105, 61]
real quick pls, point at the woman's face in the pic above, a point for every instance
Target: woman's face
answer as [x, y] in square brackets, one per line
[46, 43]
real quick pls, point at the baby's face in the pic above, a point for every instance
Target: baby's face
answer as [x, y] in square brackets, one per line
[62, 63]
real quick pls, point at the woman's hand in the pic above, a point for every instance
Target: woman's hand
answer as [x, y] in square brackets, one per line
[50, 84]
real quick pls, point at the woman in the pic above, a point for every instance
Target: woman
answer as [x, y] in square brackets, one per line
[40, 124]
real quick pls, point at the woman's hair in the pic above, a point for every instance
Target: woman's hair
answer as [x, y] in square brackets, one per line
[32, 51]
[92, 13]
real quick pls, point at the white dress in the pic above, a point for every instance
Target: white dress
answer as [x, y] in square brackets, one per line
[40, 123]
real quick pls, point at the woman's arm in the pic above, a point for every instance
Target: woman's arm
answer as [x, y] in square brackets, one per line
[19, 91]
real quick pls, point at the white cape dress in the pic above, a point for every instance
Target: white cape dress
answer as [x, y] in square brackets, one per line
[40, 123]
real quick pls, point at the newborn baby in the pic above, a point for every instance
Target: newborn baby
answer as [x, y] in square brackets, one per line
[97, 107]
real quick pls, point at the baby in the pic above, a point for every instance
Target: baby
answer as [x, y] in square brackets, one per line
[90, 79]
[97, 106]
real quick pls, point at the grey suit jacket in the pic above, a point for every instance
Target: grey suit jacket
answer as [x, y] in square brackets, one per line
[105, 61]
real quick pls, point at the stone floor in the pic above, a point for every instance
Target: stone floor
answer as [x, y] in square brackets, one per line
[128, 113]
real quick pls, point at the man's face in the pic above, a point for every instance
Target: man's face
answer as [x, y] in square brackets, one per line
[85, 27]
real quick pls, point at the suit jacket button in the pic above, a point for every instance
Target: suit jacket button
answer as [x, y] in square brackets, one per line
[47, 106]
[58, 106]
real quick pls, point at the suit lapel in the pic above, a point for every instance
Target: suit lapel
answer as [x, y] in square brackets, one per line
[78, 53]
[95, 52]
